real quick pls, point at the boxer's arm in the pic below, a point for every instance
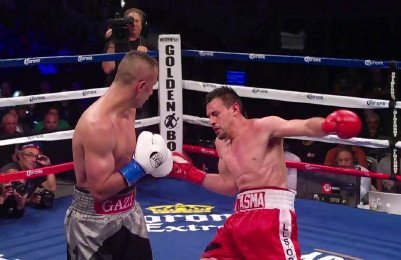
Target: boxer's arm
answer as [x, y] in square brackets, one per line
[343, 123]
[221, 182]
[279, 127]
[102, 180]
[183, 169]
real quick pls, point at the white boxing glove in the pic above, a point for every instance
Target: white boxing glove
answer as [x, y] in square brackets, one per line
[153, 155]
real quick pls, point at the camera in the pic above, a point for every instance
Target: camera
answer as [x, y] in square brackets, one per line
[19, 187]
[46, 200]
[119, 25]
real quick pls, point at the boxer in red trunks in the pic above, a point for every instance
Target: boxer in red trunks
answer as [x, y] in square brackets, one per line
[252, 166]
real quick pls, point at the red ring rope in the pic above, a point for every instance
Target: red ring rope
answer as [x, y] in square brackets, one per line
[54, 169]
[301, 166]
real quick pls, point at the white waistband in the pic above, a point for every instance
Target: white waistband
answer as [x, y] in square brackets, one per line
[264, 199]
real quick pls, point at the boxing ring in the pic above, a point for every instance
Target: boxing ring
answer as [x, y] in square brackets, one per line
[182, 218]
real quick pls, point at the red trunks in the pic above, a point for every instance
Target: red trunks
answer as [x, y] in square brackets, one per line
[263, 226]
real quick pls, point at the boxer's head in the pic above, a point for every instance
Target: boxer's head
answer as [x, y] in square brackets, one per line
[223, 105]
[137, 74]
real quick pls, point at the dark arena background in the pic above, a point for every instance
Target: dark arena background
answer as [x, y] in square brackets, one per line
[183, 218]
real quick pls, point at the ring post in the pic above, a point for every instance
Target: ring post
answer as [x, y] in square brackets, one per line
[170, 90]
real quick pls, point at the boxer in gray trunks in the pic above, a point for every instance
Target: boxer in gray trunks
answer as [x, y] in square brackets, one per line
[104, 220]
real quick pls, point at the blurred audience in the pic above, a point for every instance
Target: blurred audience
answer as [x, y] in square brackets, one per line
[373, 130]
[360, 156]
[52, 121]
[348, 83]
[309, 151]
[388, 185]
[346, 158]
[376, 84]
[6, 89]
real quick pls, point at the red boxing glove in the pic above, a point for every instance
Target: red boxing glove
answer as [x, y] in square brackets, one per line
[183, 169]
[344, 123]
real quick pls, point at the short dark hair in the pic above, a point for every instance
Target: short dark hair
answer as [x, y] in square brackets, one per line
[227, 95]
[130, 66]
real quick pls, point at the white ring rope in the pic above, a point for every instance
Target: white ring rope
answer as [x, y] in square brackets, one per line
[260, 93]
[59, 96]
[292, 96]
[63, 135]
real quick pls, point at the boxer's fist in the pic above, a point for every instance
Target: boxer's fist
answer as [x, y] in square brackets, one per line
[183, 169]
[153, 155]
[344, 123]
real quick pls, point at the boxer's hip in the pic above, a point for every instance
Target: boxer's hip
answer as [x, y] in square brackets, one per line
[118, 204]
[89, 224]
[264, 198]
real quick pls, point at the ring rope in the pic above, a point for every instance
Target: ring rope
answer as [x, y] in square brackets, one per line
[303, 166]
[54, 169]
[93, 58]
[62, 135]
[255, 57]
[305, 60]
[293, 96]
[59, 96]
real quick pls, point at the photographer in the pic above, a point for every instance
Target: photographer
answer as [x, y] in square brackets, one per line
[12, 199]
[126, 34]
[39, 191]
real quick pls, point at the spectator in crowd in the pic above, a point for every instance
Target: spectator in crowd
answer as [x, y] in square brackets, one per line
[40, 190]
[9, 125]
[376, 84]
[50, 123]
[45, 87]
[348, 83]
[60, 149]
[388, 185]
[309, 151]
[360, 155]
[6, 89]
[136, 41]
[13, 111]
[372, 130]
[346, 158]
[372, 127]
[71, 110]
[52, 116]
[25, 119]
[8, 130]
